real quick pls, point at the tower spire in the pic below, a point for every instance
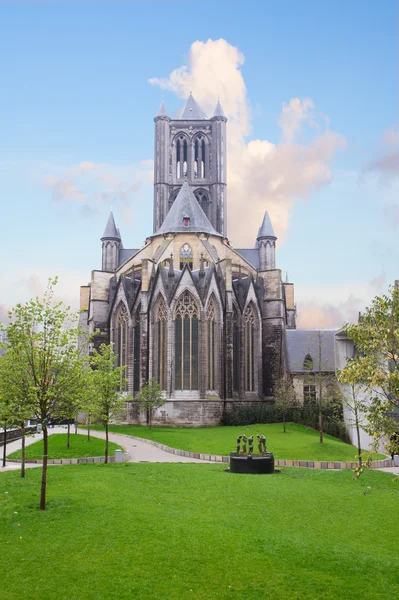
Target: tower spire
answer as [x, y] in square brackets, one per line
[266, 242]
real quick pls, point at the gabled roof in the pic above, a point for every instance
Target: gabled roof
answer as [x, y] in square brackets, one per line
[186, 206]
[219, 110]
[301, 342]
[191, 111]
[266, 229]
[111, 232]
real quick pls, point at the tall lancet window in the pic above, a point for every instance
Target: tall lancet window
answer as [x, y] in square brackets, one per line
[202, 199]
[236, 350]
[136, 349]
[181, 157]
[199, 157]
[186, 343]
[121, 344]
[161, 329]
[249, 349]
[211, 343]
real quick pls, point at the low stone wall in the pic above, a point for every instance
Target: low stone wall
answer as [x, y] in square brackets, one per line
[308, 464]
[70, 461]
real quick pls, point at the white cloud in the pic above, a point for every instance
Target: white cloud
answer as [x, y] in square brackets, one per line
[261, 174]
[93, 184]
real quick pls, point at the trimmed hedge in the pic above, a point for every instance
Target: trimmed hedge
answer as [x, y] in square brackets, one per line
[249, 414]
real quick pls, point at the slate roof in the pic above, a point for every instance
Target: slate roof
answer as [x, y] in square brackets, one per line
[219, 110]
[162, 112]
[191, 111]
[251, 255]
[111, 231]
[266, 229]
[125, 254]
[301, 342]
[186, 205]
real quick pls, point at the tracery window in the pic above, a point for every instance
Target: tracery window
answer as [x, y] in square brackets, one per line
[308, 363]
[161, 329]
[236, 350]
[186, 257]
[249, 349]
[136, 349]
[199, 157]
[121, 344]
[181, 157]
[211, 343]
[186, 343]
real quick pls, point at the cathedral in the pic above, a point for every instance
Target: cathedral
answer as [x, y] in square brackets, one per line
[208, 321]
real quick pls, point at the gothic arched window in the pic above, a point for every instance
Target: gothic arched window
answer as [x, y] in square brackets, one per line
[211, 343]
[161, 329]
[249, 349]
[181, 157]
[186, 257]
[121, 344]
[236, 350]
[308, 363]
[136, 349]
[199, 157]
[186, 343]
[202, 199]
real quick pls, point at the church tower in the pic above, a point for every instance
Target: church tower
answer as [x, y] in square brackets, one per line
[191, 148]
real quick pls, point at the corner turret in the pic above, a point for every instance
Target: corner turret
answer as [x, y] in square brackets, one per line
[111, 243]
[266, 242]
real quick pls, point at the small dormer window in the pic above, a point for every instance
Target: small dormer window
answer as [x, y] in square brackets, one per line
[186, 221]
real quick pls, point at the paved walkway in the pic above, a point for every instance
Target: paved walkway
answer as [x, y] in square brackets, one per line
[138, 451]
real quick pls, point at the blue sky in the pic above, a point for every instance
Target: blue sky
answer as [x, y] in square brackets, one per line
[75, 90]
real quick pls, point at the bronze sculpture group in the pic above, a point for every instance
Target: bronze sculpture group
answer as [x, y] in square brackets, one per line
[242, 443]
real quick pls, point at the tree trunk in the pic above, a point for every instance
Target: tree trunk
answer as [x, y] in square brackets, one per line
[69, 435]
[44, 469]
[284, 422]
[5, 446]
[76, 425]
[149, 418]
[88, 428]
[359, 448]
[23, 450]
[106, 442]
[321, 424]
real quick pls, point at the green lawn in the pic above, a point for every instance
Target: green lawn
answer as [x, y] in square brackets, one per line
[299, 443]
[57, 442]
[191, 531]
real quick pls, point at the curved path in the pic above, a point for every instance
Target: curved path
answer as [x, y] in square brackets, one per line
[138, 451]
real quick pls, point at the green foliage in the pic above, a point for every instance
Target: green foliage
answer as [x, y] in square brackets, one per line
[79, 447]
[194, 532]
[304, 415]
[375, 368]
[150, 398]
[284, 396]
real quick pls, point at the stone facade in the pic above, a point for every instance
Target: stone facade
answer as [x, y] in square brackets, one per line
[206, 320]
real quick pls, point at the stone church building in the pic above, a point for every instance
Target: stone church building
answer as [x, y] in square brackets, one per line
[207, 320]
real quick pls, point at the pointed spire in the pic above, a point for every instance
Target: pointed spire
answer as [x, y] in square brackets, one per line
[191, 111]
[202, 267]
[266, 229]
[111, 232]
[186, 215]
[171, 272]
[219, 111]
[162, 112]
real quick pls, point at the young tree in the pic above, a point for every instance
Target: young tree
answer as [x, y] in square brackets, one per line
[376, 363]
[355, 406]
[6, 421]
[43, 337]
[14, 385]
[106, 383]
[150, 398]
[284, 396]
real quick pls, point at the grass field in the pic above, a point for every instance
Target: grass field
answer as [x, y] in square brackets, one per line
[299, 443]
[57, 443]
[180, 531]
